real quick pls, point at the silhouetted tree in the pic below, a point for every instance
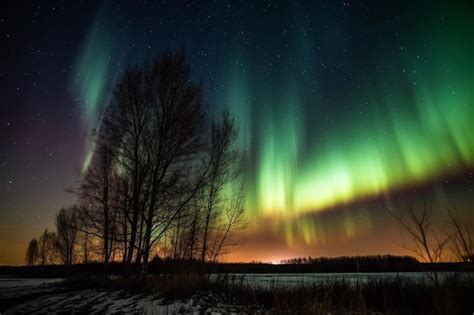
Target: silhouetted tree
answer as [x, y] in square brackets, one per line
[125, 124]
[84, 233]
[46, 248]
[156, 120]
[232, 220]
[195, 227]
[462, 236]
[97, 189]
[66, 234]
[428, 245]
[32, 252]
[221, 214]
[152, 177]
[177, 142]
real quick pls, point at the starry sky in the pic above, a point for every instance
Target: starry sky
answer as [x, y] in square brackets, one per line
[345, 109]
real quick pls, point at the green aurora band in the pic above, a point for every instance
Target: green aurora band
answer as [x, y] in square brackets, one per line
[410, 124]
[93, 76]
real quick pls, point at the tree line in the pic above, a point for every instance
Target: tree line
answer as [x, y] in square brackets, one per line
[164, 178]
[370, 259]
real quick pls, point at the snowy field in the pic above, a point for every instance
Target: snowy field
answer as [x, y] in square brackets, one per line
[29, 296]
[47, 296]
[106, 302]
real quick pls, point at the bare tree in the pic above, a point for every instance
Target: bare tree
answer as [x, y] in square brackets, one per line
[123, 218]
[177, 139]
[462, 237]
[156, 122]
[223, 171]
[125, 124]
[32, 252]
[46, 248]
[195, 227]
[428, 245]
[66, 231]
[233, 220]
[152, 176]
[96, 191]
[84, 233]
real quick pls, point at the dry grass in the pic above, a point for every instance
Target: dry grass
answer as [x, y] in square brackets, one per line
[397, 296]
[173, 286]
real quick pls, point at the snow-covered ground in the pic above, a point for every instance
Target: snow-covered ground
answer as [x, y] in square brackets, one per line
[47, 296]
[113, 302]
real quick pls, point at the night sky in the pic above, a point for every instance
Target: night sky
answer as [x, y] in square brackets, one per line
[345, 109]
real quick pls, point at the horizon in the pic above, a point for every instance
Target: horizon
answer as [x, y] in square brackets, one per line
[288, 261]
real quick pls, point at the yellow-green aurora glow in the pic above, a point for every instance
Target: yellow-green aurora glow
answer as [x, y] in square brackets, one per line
[408, 122]
[418, 125]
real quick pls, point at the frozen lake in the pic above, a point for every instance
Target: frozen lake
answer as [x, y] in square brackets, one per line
[319, 278]
[270, 279]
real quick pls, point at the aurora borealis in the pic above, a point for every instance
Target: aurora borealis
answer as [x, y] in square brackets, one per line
[344, 108]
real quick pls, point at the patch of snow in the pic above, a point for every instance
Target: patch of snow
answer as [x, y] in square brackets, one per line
[7, 282]
[112, 302]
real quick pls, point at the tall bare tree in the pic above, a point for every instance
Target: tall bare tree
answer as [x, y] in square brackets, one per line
[66, 234]
[176, 142]
[195, 227]
[151, 165]
[46, 248]
[232, 220]
[96, 190]
[223, 160]
[32, 252]
[126, 124]
[85, 233]
[157, 122]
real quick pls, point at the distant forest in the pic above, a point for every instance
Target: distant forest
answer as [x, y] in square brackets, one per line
[372, 259]
[374, 263]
